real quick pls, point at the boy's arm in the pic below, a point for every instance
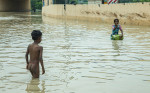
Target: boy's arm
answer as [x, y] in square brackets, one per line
[26, 56]
[41, 60]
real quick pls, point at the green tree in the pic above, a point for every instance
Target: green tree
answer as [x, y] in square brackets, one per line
[36, 4]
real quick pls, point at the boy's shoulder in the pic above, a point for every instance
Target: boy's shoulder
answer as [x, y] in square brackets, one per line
[40, 47]
[29, 45]
[36, 46]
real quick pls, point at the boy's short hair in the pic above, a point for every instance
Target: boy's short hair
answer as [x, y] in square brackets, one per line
[36, 34]
[116, 20]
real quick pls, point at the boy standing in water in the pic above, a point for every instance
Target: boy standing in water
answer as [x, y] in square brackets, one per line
[35, 52]
[116, 27]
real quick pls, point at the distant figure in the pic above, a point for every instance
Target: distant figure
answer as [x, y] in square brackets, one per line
[34, 9]
[35, 51]
[116, 27]
[43, 3]
[102, 1]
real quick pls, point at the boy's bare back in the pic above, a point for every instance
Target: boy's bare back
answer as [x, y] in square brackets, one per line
[35, 51]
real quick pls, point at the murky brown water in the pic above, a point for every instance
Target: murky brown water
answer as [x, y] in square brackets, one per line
[79, 56]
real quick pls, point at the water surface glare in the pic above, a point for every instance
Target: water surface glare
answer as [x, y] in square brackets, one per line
[79, 56]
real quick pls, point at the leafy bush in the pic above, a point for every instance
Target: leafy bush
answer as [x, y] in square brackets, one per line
[36, 4]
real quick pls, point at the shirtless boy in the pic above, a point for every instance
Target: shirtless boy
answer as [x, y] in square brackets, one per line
[35, 51]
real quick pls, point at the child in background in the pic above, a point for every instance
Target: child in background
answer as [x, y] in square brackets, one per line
[116, 27]
[35, 51]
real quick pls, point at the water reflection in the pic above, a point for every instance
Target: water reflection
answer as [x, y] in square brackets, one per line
[35, 86]
[115, 45]
[76, 54]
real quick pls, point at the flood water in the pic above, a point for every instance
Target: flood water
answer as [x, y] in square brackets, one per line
[79, 56]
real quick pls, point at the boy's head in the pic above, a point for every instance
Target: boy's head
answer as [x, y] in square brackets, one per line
[116, 21]
[36, 35]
